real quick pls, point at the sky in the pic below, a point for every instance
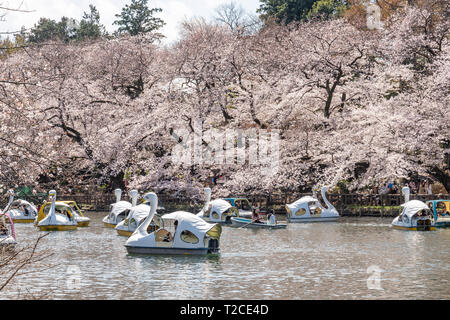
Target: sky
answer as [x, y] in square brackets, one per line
[174, 12]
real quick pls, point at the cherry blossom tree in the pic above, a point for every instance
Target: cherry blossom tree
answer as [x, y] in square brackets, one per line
[349, 104]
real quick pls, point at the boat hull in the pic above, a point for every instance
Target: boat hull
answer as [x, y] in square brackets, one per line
[57, 228]
[311, 219]
[227, 222]
[124, 233]
[23, 220]
[83, 224]
[166, 251]
[246, 223]
[427, 228]
[109, 225]
[443, 223]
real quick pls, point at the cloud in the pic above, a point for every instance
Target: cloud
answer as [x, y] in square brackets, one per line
[174, 12]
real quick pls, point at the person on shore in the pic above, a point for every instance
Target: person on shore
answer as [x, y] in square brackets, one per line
[428, 187]
[421, 188]
[412, 187]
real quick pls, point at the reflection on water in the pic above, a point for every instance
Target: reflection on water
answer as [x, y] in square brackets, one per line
[304, 261]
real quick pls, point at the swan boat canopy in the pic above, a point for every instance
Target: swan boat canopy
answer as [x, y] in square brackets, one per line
[309, 209]
[118, 211]
[64, 208]
[415, 216]
[217, 211]
[54, 221]
[7, 232]
[441, 212]
[22, 211]
[136, 216]
[177, 233]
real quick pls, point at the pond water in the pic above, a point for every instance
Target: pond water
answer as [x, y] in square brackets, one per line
[354, 258]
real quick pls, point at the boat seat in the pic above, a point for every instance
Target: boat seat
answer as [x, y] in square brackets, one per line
[160, 236]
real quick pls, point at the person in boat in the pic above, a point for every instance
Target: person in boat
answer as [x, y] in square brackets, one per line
[168, 236]
[271, 218]
[255, 216]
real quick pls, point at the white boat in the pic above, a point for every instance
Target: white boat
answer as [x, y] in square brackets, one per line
[7, 232]
[118, 211]
[217, 211]
[54, 221]
[135, 217]
[65, 208]
[309, 209]
[22, 211]
[415, 216]
[177, 233]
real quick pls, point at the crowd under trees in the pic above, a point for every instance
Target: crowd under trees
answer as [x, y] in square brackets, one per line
[354, 107]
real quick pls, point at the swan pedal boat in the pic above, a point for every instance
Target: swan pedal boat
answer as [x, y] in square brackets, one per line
[247, 223]
[22, 211]
[441, 212]
[64, 207]
[136, 215]
[309, 209]
[53, 221]
[7, 232]
[415, 216]
[118, 211]
[177, 233]
[218, 210]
